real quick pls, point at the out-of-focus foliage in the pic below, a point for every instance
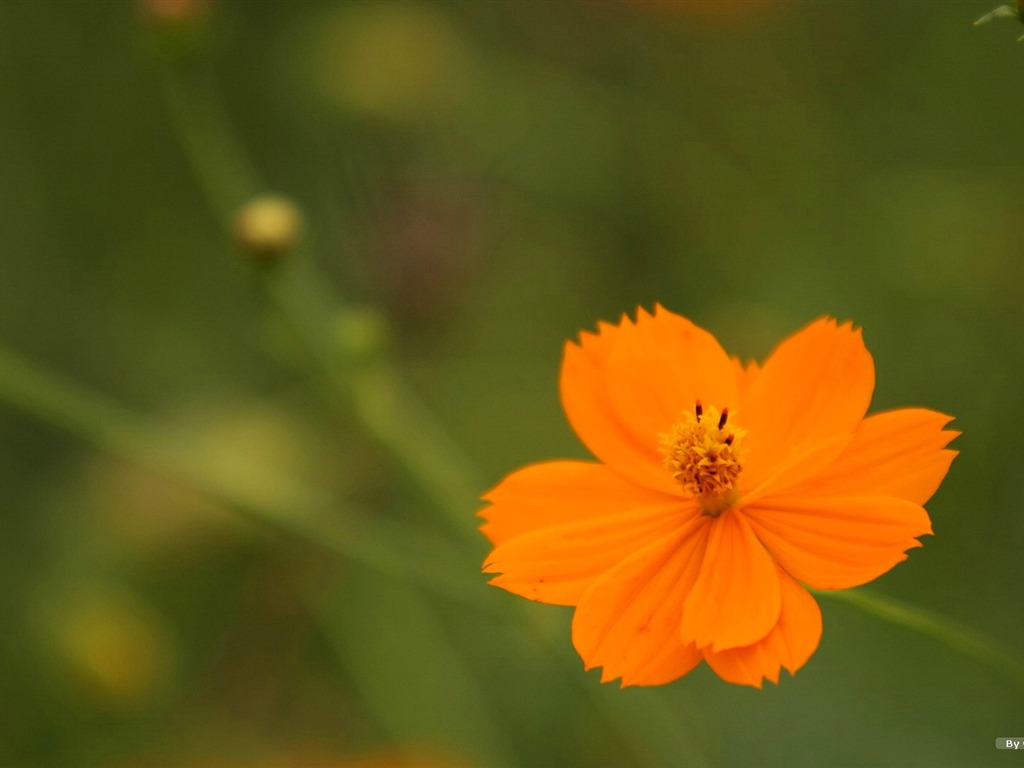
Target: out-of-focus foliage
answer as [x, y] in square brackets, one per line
[493, 176]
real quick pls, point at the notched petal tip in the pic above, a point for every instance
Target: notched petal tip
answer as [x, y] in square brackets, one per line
[587, 339]
[660, 312]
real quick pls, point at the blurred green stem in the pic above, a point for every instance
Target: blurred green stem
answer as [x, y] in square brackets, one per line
[949, 633]
[304, 513]
[368, 385]
[212, 150]
[360, 380]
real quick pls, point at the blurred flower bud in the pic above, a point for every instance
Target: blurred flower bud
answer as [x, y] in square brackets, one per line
[268, 227]
[115, 647]
[174, 12]
[176, 29]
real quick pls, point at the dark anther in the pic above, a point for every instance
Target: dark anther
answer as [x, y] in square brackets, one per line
[725, 416]
[729, 439]
[699, 410]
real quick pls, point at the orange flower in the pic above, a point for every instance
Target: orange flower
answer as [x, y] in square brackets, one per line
[720, 491]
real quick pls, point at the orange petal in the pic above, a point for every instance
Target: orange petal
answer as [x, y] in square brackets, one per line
[596, 420]
[816, 384]
[790, 644]
[625, 387]
[556, 565]
[628, 620]
[745, 375]
[800, 467]
[555, 493]
[663, 366]
[735, 600]
[896, 453]
[836, 543]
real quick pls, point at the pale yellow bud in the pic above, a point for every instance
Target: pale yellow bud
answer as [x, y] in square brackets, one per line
[268, 227]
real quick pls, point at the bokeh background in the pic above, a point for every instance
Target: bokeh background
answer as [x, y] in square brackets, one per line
[479, 181]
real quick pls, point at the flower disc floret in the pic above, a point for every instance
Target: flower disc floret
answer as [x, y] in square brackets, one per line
[702, 453]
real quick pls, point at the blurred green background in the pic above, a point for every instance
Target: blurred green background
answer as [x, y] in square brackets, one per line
[489, 178]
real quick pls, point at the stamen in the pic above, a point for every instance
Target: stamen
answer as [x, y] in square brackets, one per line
[705, 459]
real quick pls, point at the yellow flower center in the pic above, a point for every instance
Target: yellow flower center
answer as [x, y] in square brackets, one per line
[703, 454]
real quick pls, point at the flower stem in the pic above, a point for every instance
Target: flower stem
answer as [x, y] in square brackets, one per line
[361, 380]
[945, 631]
[363, 383]
[214, 154]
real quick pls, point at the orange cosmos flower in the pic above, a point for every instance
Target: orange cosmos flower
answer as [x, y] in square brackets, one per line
[720, 491]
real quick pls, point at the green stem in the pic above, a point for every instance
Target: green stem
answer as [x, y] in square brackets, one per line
[368, 386]
[296, 510]
[945, 631]
[396, 418]
[360, 380]
[213, 152]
